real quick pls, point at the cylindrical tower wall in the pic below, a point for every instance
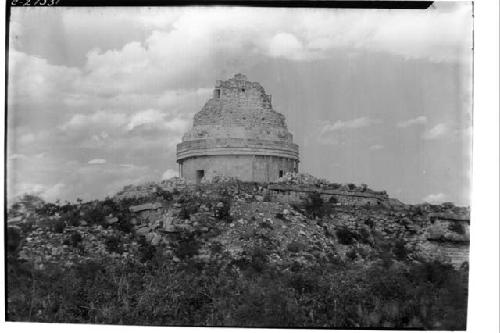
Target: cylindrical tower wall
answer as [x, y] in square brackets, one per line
[256, 168]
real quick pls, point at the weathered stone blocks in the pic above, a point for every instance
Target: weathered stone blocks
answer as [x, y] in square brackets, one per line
[238, 134]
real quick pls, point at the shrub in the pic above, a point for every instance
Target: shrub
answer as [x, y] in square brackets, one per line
[258, 259]
[95, 215]
[216, 247]
[75, 238]
[448, 205]
[304, 283]
[314, 204]
[189, 208]
[345, 236]
[222, 210]
[457, 227]
[89, 270]
[365, 235]
[280, 216]
[13, 239]
[58, 226]
[109, 206]
[165, 195]
[146, 250]
[295, 246]
[72, 217]
[187, 246]
[48, 209]
[333, 200]
[434, 272]
[125, 224]
[114, 244]
[266, 225]
[351, 254]
[399, 250]
[351, 187]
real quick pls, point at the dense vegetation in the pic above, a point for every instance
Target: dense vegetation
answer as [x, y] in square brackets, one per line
[427, 295]
[390, 291]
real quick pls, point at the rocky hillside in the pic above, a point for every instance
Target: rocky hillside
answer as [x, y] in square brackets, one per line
[227, 253]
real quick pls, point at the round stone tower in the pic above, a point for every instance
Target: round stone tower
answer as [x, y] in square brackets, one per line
[238, 134]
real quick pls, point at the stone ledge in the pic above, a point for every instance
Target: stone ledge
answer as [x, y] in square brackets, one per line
[450, 217]
[302, 188]
[235, 142]
[235, 151]
[237, 147]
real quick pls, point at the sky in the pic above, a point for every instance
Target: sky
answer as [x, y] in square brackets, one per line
[99, 97]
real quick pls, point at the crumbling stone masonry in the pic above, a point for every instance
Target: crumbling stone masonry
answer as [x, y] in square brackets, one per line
[237, 134]
[293, 194]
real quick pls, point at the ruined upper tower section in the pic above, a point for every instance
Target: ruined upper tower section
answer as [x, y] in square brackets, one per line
[239, 108]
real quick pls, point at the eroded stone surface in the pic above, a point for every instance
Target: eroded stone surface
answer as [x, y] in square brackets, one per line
[237, 134]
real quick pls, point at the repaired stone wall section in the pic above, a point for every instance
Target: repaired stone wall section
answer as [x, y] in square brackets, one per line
[452, 253]
[238, 134]
[447, 238]
[451, 228]
[294, 194]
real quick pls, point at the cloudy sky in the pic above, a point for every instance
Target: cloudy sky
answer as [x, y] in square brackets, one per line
[98, 98]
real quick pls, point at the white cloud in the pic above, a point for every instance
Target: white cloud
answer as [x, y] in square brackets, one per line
[191, 38]
[156, 118]
[169, 173]
[436, 132]
[348, 124]
[17, 157]
[54, 192]
[440, 33]
[97, 161]
[435, 198]
[30, 188]
[99, 118]
[49, 193]
[31, 76]
[411, 122]
[176, 124]
[376, 147]
[145, 117]
[179, 41]
[171, 99]
[127, 165]
[286, 45]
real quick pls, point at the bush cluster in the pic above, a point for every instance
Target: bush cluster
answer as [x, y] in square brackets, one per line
[346, 236]
[457, 227]
[252, 293]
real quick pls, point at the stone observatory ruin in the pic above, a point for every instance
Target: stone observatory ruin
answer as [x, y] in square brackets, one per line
[237, 134]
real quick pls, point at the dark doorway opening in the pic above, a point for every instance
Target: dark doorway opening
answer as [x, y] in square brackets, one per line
[281, 173]
[199, 175]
